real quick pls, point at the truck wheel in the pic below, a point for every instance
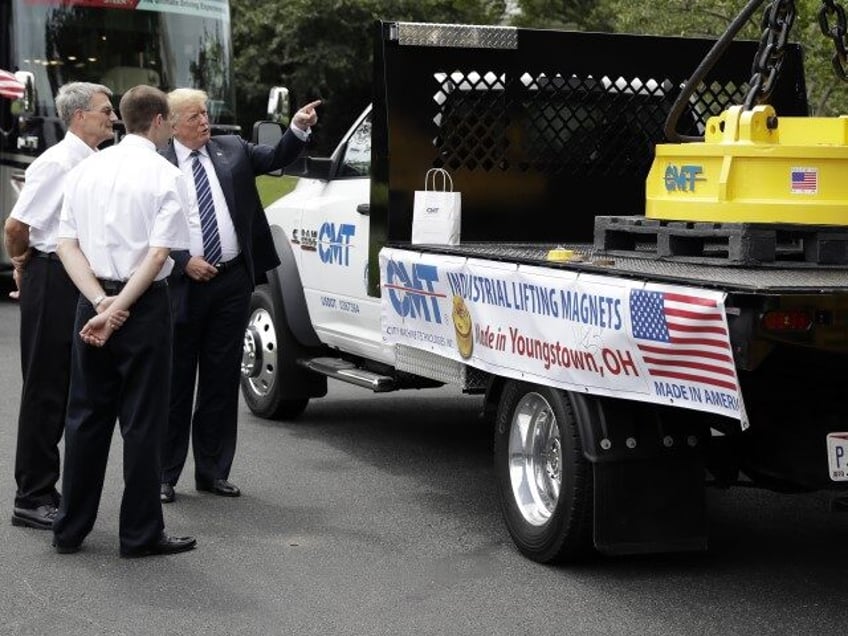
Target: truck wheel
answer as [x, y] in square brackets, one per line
[544, 481]
[261, 363]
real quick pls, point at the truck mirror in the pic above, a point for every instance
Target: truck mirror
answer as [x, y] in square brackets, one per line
[310, 168]
[268, 133]
[278, 105]
[319, 168]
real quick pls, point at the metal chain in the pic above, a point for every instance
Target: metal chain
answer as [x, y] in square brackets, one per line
[836, 33]
[777, 22]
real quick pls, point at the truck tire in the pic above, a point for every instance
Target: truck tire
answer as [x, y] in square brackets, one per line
[262, 360]
[544, 480]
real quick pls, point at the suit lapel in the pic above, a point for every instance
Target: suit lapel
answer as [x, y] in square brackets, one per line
[170, 153]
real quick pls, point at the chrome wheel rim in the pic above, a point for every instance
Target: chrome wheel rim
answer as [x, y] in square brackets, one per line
[259, 355]
[535, 459]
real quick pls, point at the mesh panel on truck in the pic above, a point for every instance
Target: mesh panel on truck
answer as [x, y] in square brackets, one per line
[540, 130]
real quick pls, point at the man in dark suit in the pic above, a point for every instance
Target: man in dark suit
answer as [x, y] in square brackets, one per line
[231, 248]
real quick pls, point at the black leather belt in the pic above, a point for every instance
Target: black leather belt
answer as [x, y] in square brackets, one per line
[223, 267]
[50, 256]
[112, 287]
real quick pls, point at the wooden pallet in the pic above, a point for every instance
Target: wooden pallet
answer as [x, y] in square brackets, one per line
[722, 243]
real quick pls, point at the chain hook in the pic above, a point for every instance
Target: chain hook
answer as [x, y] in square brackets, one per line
[778, 19]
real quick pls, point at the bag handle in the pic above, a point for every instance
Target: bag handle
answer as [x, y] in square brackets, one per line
[432, 175]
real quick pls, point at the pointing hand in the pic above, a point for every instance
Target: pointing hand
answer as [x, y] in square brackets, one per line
[306, 116]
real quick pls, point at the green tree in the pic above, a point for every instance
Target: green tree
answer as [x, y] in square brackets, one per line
[827, 94]
[583, 15]
[323, 49]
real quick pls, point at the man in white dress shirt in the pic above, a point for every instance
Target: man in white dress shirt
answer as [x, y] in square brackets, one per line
[48, 300]
[124, 210]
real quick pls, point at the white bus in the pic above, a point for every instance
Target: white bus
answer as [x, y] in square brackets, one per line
[119, 43]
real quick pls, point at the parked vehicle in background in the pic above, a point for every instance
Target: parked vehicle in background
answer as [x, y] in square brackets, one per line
[47, 43]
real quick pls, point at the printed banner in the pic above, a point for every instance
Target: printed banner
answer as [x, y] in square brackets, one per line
[104, 4]
[218, 9]
[582, 332]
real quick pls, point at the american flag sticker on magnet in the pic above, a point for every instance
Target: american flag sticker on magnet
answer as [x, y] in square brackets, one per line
[804, 181]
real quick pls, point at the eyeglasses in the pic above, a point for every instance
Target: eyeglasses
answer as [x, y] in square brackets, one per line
[106, 110]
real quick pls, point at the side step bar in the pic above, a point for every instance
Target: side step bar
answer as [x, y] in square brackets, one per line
[349, 372]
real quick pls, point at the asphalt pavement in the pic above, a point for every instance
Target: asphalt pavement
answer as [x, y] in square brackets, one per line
[376, 514]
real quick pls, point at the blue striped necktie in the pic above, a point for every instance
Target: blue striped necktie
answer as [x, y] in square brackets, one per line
[208, 223]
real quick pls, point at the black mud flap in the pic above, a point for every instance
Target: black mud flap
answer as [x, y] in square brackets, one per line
[649, 469]
[654, 505]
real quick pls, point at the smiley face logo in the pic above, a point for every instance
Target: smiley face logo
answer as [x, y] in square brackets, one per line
[462, 325]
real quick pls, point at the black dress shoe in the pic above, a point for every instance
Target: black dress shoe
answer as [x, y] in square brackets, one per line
[40, 518]
[65, 549]
[220, 487]
[166, 493]
[165, 545]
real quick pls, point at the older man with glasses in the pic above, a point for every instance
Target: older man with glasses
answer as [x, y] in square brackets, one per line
[48, 300]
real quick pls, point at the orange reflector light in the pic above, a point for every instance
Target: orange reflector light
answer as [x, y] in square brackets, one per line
[786, 321]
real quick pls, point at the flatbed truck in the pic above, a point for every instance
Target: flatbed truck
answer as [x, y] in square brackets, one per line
[627, 362]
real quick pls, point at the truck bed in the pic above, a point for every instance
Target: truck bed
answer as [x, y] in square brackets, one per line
[800, 278]
[533, 124]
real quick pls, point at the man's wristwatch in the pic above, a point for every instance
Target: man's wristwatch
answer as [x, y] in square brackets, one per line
[97, 300]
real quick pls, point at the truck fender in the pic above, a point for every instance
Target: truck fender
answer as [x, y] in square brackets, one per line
[606, 425]
[590, 412]
[614, 430]
[287, 290]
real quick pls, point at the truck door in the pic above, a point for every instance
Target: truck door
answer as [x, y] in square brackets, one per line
[335, 283]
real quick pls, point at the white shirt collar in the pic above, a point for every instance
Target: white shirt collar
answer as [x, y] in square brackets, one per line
[183, 151]
[78, 146]
[137, 140]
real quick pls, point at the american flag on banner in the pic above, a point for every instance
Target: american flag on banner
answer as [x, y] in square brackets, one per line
[10, 87]
[682, 338]
[805, 180]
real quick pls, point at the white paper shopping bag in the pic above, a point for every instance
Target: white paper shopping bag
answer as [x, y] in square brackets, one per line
[437, 210]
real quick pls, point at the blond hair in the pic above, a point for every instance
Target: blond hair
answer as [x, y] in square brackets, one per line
[181, 98]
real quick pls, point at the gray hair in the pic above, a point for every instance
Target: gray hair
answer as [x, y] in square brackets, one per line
[77, 96]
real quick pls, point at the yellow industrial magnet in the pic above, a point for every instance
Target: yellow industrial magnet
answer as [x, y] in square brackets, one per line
[754, 168]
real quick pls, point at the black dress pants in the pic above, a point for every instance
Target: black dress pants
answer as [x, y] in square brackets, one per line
[208, 343]
[127, 379]
[48, 304]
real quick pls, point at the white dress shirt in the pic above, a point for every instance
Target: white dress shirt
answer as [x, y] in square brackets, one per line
[123, 201]
[40, 201]
[226, 230]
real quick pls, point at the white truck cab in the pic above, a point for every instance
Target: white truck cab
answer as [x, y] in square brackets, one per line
[330, 245]
[322, 231]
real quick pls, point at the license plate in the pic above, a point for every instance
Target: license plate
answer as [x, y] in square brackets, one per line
[837, 456]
